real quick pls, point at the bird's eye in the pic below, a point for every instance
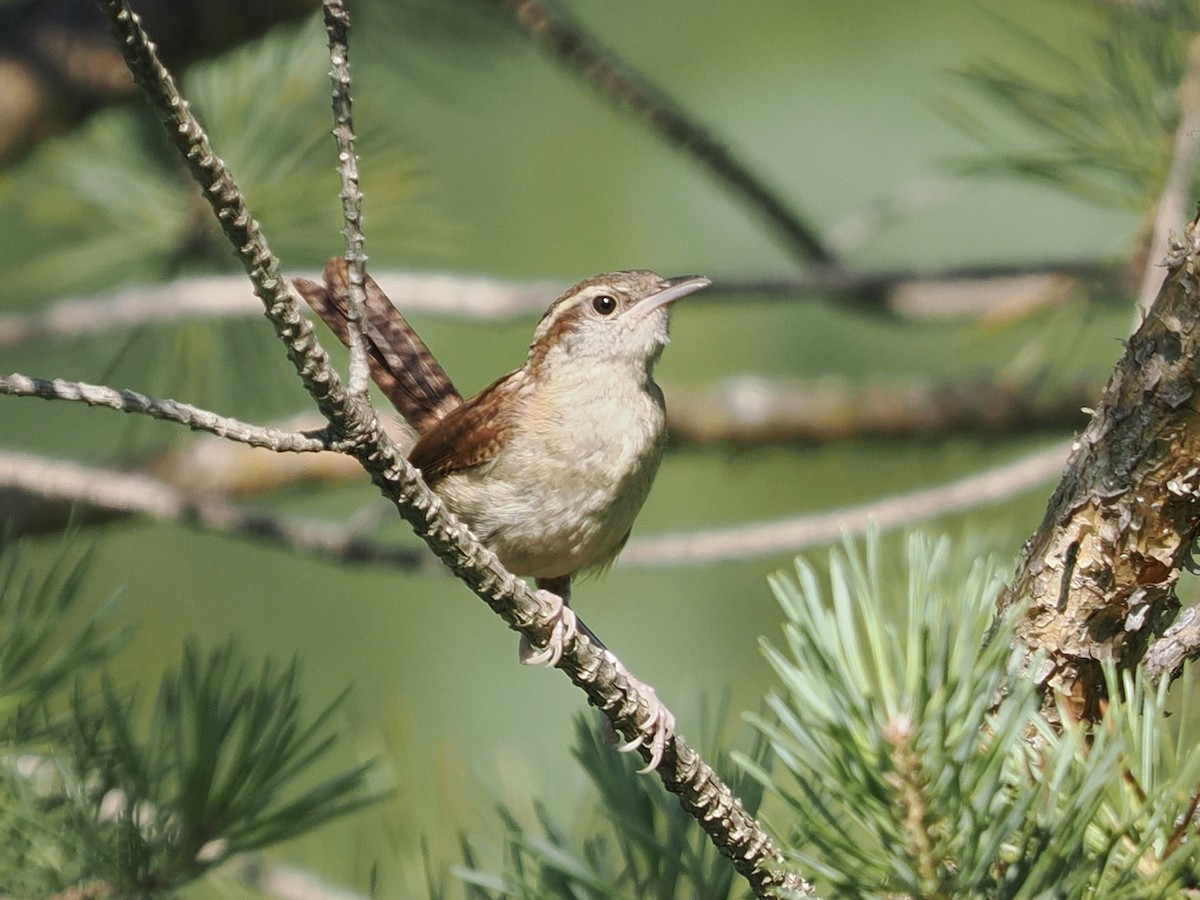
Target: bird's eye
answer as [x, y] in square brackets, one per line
[604, 304]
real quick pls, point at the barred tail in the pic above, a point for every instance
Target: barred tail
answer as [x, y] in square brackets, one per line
[407, 373]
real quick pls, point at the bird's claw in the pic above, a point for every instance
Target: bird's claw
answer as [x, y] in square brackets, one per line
[564, 627]
[654, 730]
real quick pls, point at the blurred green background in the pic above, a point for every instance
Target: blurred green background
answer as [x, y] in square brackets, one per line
[479, 155]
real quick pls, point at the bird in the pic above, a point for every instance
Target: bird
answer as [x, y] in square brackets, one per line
[550, 464]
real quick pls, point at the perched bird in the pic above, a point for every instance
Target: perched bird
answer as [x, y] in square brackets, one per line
[550, 464]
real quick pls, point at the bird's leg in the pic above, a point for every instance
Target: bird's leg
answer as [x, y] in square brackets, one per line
[565, 624]
[656, 728]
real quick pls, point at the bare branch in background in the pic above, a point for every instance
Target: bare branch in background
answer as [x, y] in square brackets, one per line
[750, 410]
[39, 494]
[798, 532]
[579, 51]
[922, 293]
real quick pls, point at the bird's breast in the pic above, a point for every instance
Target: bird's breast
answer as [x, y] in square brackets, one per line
[562, 494]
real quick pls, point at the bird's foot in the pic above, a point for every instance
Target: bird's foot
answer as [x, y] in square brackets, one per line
[654, 730]
[564, 627]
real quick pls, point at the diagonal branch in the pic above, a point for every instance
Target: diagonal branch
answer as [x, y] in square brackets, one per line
[580, 52]
[607, 684]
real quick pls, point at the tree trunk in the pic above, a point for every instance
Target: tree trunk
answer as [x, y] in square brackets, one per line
[1099, 575]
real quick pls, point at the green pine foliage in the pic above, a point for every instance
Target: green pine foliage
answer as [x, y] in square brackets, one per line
[1100, 124]
[636, 842]
[95, 791]
[111, 203]
[897, 760]
[913, 760]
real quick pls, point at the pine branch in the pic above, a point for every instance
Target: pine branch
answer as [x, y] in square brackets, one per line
[1098, 577]
[607, 684]
[570, 43]
[793, 534]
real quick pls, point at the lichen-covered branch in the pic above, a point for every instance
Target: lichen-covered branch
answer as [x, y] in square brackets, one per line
[1099, 576]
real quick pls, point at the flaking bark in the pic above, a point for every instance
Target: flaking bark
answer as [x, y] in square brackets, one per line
[1099, 575]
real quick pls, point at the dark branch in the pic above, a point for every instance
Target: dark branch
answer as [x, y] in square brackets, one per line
[568, 42]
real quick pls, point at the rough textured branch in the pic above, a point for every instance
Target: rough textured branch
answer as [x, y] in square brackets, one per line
[193, 417]
[606, 683]
[1099, 575]
[1179, 644]
[579, 51]
[337, 27]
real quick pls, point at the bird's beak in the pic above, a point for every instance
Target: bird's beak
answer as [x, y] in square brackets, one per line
[672, 289]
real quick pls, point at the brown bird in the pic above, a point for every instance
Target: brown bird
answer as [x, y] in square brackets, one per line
[550, 464]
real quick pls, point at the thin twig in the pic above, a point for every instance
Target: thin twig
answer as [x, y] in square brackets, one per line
[1172, 202]
[581, 52]
[337, 27]
[607, 683]
[193, 417]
